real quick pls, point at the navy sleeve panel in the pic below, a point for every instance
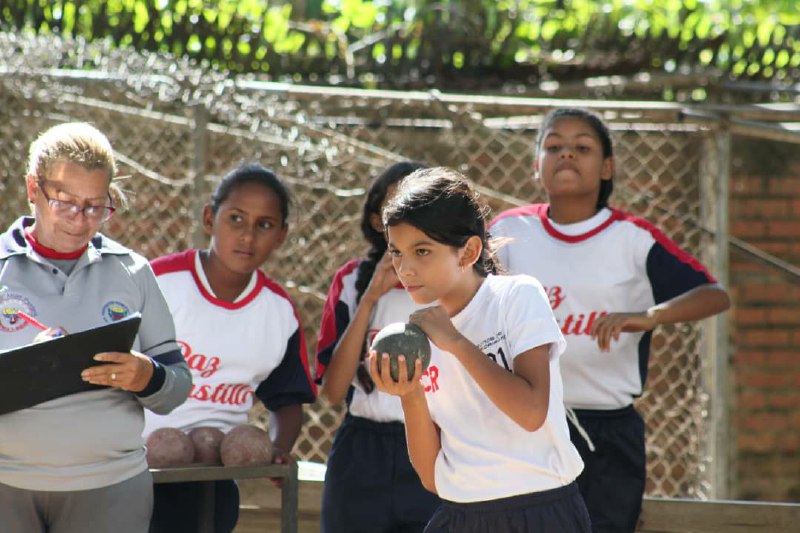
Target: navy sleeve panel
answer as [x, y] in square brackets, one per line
[334, 325]
[169, 358]
[156, 380]
[673, 272]
[159, 373]
[289, 383]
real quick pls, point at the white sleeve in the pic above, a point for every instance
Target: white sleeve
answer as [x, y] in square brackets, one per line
[529, 320]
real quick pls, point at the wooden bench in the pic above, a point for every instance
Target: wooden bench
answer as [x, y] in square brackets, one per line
[209, 474]
[673, 515]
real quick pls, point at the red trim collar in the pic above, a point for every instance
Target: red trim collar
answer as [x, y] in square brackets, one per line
[548, 226]
[49, 253]
[260, 283]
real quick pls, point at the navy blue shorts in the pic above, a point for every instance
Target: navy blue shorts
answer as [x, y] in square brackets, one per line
[176, 507]
[558, 510]
[370, 485]
[613, 477]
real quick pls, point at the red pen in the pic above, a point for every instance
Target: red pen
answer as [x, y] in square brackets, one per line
[30, 320]
[33, 322]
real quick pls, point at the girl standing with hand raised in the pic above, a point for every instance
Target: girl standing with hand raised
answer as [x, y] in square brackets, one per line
[611, 279]
[370, 485]
[485, 422]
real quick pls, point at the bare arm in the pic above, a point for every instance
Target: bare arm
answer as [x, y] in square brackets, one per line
[347, 356]
[523, 395]
[422, 435]
[696, 304]
[284, 427]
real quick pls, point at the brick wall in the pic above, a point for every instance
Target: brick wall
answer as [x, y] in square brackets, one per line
[765, 212]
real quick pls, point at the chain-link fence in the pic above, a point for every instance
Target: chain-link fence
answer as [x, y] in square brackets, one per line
[327, 144]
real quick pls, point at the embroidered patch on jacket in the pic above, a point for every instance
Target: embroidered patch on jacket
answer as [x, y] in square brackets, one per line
[114, 311]
[10, 306]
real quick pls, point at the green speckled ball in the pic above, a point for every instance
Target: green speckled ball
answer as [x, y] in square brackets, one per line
[406, 339]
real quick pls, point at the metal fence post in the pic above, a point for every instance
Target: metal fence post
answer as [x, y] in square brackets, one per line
[715, 181]
[199, 189]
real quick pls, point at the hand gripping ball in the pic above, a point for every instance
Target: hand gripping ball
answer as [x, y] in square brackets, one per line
[406, 339]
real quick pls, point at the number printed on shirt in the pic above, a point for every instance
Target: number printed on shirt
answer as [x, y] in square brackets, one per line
[502, 356]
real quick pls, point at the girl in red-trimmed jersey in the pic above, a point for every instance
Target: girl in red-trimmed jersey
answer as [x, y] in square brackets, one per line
[240, 334]
[370, 485]
[611, 279]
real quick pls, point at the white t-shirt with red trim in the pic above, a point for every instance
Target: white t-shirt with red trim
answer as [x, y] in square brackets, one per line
[340, 308]
[251, 347]
[485, 455]
[612, 262]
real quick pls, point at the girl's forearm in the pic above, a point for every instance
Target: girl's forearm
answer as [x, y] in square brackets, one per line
[347, 355]
[285, 424]
[424, 441]
[696, 304]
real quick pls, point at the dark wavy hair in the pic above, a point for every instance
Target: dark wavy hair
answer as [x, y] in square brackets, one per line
[376, 195]
[599, 127]
[442, 203]
[252, 173]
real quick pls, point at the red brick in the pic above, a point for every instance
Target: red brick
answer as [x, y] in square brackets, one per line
[783, 228]
[765, 422]
[748, 229]
[750, 358]
[746, 268]
[781, 359]
[781, 249]
[748, 185]
[788, 185]
[784, 400]
[767, 293]
[763, 337]
[751, 401]
[788, 442]
[750, 315]
[755, 442]
[783, 315]
[764, 378]
[761, 207]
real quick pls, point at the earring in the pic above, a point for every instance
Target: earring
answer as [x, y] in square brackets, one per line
[462, 268]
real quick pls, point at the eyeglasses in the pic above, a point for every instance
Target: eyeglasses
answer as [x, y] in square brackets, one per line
[93, 213]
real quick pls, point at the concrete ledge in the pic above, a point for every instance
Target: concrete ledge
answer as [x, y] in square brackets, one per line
[673, 515]
[659, 515]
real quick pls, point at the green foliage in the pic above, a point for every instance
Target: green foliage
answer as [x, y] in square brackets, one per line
[407, 43]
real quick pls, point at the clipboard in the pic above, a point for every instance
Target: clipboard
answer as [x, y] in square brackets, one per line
[36, 373]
